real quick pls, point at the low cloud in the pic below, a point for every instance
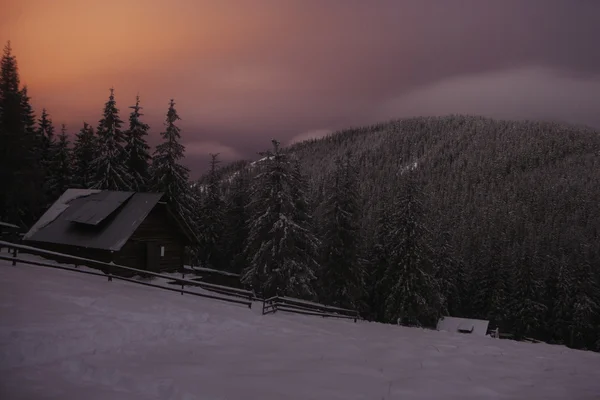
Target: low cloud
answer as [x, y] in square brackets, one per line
[314, 134]
[226, 153]
[525, 93]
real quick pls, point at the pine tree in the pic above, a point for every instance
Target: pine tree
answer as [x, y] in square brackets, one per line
[489, 285]
[342, 274]
[586, 307]
[236, 217]
[46, 134]
[212, 220]
[450, 276]
[19, 201]
[110, 169]
[61, 166]
[559, 293]
[28, 118]
[527, 309]
[84, 154]
[11, 139]
[282, 248]
[379, 257]
[415, 294]
[33, 152]
[168, 175]
[137, 150]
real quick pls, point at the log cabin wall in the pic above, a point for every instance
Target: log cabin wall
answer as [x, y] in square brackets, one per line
[160, 229]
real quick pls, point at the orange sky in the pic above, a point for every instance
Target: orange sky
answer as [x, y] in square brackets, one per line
[71, 51]
[245, 71]
[81, 48]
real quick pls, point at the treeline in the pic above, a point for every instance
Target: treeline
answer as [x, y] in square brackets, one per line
[405, 221]
[38, 164]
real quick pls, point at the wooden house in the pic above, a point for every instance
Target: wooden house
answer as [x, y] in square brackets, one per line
[127, 228]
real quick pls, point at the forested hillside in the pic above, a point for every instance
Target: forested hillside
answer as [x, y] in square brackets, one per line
[507, 217]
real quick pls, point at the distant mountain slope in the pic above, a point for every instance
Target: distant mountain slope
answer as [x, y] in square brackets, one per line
[488, 182]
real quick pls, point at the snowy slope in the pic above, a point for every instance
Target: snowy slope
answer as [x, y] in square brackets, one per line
[69, 336]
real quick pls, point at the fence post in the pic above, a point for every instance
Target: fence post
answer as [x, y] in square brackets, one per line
[15, 252]
[182, 277]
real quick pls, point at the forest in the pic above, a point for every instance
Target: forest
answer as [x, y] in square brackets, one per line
[406, 221]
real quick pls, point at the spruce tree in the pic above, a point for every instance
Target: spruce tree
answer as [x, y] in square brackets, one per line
[19, 198]
[527, 309]
[46, 134]
[32, 162]
[84, 154]
[29, 120]
[212, 220]
[560, 290]
[110, 168]
[489, 283]
[415, 296]
[282, 248]
[168, 175]
[342, 275]
[586, 307]
[450, 276]
[61, 172]
[236, 217]
[379, 256]
[12, 145]
[137, 149]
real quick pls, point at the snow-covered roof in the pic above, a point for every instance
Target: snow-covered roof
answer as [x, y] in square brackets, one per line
[58, 208]
[477, 327]
[93, 218]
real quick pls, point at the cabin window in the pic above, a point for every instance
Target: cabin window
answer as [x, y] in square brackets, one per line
[162, 251]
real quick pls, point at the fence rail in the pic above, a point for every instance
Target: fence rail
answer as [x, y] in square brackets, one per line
[236, 295]
[286, 304]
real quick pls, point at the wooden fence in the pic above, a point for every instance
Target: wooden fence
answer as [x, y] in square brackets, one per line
[234, 295]
[287, 304]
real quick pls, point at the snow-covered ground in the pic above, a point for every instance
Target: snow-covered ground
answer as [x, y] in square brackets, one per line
[67, 336]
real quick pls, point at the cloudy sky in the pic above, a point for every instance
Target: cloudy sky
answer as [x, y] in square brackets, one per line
[245, 71]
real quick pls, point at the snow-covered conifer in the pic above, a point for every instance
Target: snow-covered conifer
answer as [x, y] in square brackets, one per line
[110, 168]
[282, 248]
[137, 149]
[212, 220]
[61, 170]
[169, 176]
[236, 217]
[84, 154]
[342, 275]
[414, 296]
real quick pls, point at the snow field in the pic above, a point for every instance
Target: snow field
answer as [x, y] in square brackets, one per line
[65, 335]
